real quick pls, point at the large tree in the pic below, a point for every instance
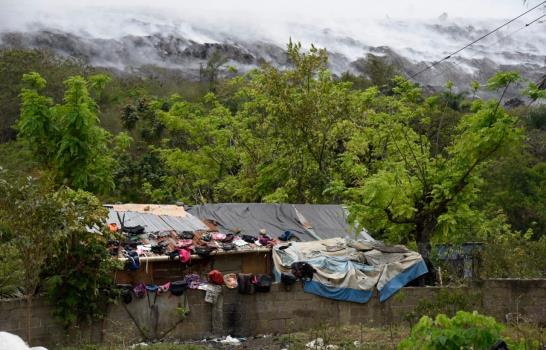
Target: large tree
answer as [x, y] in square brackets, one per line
[276, 137]
[292, 126]
[415, 191]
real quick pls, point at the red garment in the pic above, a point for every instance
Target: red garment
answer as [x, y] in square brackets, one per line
[184, 255]
[216, 277]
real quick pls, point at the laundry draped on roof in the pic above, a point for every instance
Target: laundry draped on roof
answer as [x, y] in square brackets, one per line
[308, 221]
[344, 272]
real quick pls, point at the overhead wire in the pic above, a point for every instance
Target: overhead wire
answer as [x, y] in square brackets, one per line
[499, 40]
[476, 40]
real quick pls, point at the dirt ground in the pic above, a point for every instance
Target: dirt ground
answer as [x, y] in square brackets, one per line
[342, 337]
[350, 337]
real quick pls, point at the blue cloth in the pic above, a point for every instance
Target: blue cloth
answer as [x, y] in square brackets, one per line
[286, 236]
[402, 279]
[344, 294]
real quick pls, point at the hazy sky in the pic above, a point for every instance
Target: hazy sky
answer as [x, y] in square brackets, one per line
[290, 9]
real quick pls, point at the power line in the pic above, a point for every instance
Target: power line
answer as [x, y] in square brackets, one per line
[475, 41]
[498, 41]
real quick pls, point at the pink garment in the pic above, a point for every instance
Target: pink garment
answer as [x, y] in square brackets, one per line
[185, 255]
[218, 236]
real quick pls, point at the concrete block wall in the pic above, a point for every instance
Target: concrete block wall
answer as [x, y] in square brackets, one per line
[278, 311]
[502, 297]
[44, 328]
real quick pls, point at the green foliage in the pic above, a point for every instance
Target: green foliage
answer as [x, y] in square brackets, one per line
[502, 80]
[537, 118]
[11, 274]
[421, 193]
[277, 137]
[374, 71]
[411, 166]
[513, 255]
[210, 72]
[57, 229]
[534, 92]
[17, 157]
[98, 83]
[13, 64]
[463, 331]
[80, 275]
[517, 185]
[32, 214]
[66, 138]
[292, 128]
[203, 157]
[447, 302]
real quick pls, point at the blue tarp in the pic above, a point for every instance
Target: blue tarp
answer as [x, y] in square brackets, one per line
[344, 294]
[402, 279]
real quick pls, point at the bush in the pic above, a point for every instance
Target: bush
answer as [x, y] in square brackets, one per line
[80, 276]
[514, 256]
[464, 331]
[10, 271]
[447, 302]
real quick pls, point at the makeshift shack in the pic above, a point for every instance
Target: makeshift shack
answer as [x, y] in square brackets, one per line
[258, 244]
[155, 232]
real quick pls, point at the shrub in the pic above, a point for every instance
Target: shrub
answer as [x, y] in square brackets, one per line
[514, 256]
[447, 302]
[10, 271]
[464, 331]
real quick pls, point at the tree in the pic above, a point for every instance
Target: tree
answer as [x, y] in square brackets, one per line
[202, 158]
[276, 138]
[375, 71]
[66, 138]
[80, 275]
[211, 70]
[415, 193]
[13, 64]
[33, 214]
[55, 232]
[291, 129]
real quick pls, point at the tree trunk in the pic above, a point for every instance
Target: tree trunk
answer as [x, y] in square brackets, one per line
[423, 233]
[29, 317]
[424, 249]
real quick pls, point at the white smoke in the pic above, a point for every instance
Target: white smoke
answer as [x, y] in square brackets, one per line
[349, 28]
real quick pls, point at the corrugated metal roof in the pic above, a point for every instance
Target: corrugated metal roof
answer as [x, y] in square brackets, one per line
[156, 223]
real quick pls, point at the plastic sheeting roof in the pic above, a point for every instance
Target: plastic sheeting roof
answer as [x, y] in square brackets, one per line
[309, 221]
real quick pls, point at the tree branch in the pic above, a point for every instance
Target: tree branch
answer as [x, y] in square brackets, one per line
[402, 155]
[500, 99]
[394, 219]
[424, 180]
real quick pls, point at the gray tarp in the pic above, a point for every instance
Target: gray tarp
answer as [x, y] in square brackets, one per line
[344, 272]
[309, 221]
